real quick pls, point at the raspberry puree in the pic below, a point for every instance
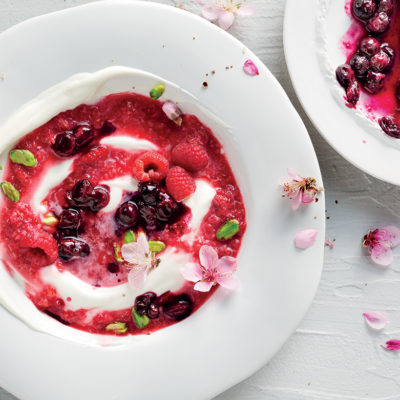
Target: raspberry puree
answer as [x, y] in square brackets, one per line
[30, 245]
[371, 46]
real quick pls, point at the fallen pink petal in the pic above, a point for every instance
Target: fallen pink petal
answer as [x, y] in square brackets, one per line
[329, 243]
[250, 68]
[392, 345]
[380, 243]
[305, 239]
[376, 320]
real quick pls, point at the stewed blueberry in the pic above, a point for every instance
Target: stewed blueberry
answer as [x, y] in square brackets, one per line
[364, 9]
[63, 233]
[64, 144]
[107, 129]
[353, 93]
[71, 247]
[113, 268]
[166, 208]
[387, 49]
[149, 192]
[127, 214]
[373, 82]
[360, 64]
[178, 307]
[345, 75]
[369, 46]
[84, 134]
[100, 198]
[143, 302]
[153, 311]
[390, 126]
[380, 62]
[379, 23]
[81, 194]
[386, 6]
[69, 219]
[148, 214]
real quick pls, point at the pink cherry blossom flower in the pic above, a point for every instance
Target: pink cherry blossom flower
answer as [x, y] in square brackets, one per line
[380, 243]
[223, 12]
[300, 190]
[376, 319]
[392, 345]
[305, 239]
[212, 270]
[140, 260]
[250, 68]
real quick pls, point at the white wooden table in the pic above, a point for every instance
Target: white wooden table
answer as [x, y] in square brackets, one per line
[332, 355]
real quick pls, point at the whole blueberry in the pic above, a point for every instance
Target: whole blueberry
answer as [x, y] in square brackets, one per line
[70, 248]
[100, 198]
[369, 46]
[380, 62]
[69, 219]
[360, 64]
[364, 9]
[379, 23]
[373, 82]
[81, 194]
[127, 214]
[84, 134]
[390, 126]
[345, 75]
[64, 144]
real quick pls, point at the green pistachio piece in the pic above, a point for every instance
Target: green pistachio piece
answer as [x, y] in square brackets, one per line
[1, 168]
[10, 191]
[141, 321]
[129, 237]
[156, 247]
[24, 157]
[157, 92]
[50, 219]
[117, 252]
[228, 229]
[117, 327]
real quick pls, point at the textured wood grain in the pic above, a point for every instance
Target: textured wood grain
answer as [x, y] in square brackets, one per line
[332, 355]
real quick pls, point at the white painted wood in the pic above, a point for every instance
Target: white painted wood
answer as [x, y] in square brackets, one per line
[332, 355]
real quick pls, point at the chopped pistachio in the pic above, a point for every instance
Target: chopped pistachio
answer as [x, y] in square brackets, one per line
[157, 92]
[129, 237]
[117, 252]
[117, 327]
[141, 321]
[50, 219]
[228, 229]
[156, 247]
[10, 191]
[24, 157]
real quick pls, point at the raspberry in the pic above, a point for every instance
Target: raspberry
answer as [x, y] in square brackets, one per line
[190, 156]
[25, 238]
[151, 166]
[180, 184]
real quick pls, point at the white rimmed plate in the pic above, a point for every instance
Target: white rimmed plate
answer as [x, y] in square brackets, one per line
[313, 30]
[233, 334]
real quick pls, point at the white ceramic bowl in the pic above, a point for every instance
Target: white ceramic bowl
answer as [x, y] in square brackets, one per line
[312, 34]
[232, 335]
